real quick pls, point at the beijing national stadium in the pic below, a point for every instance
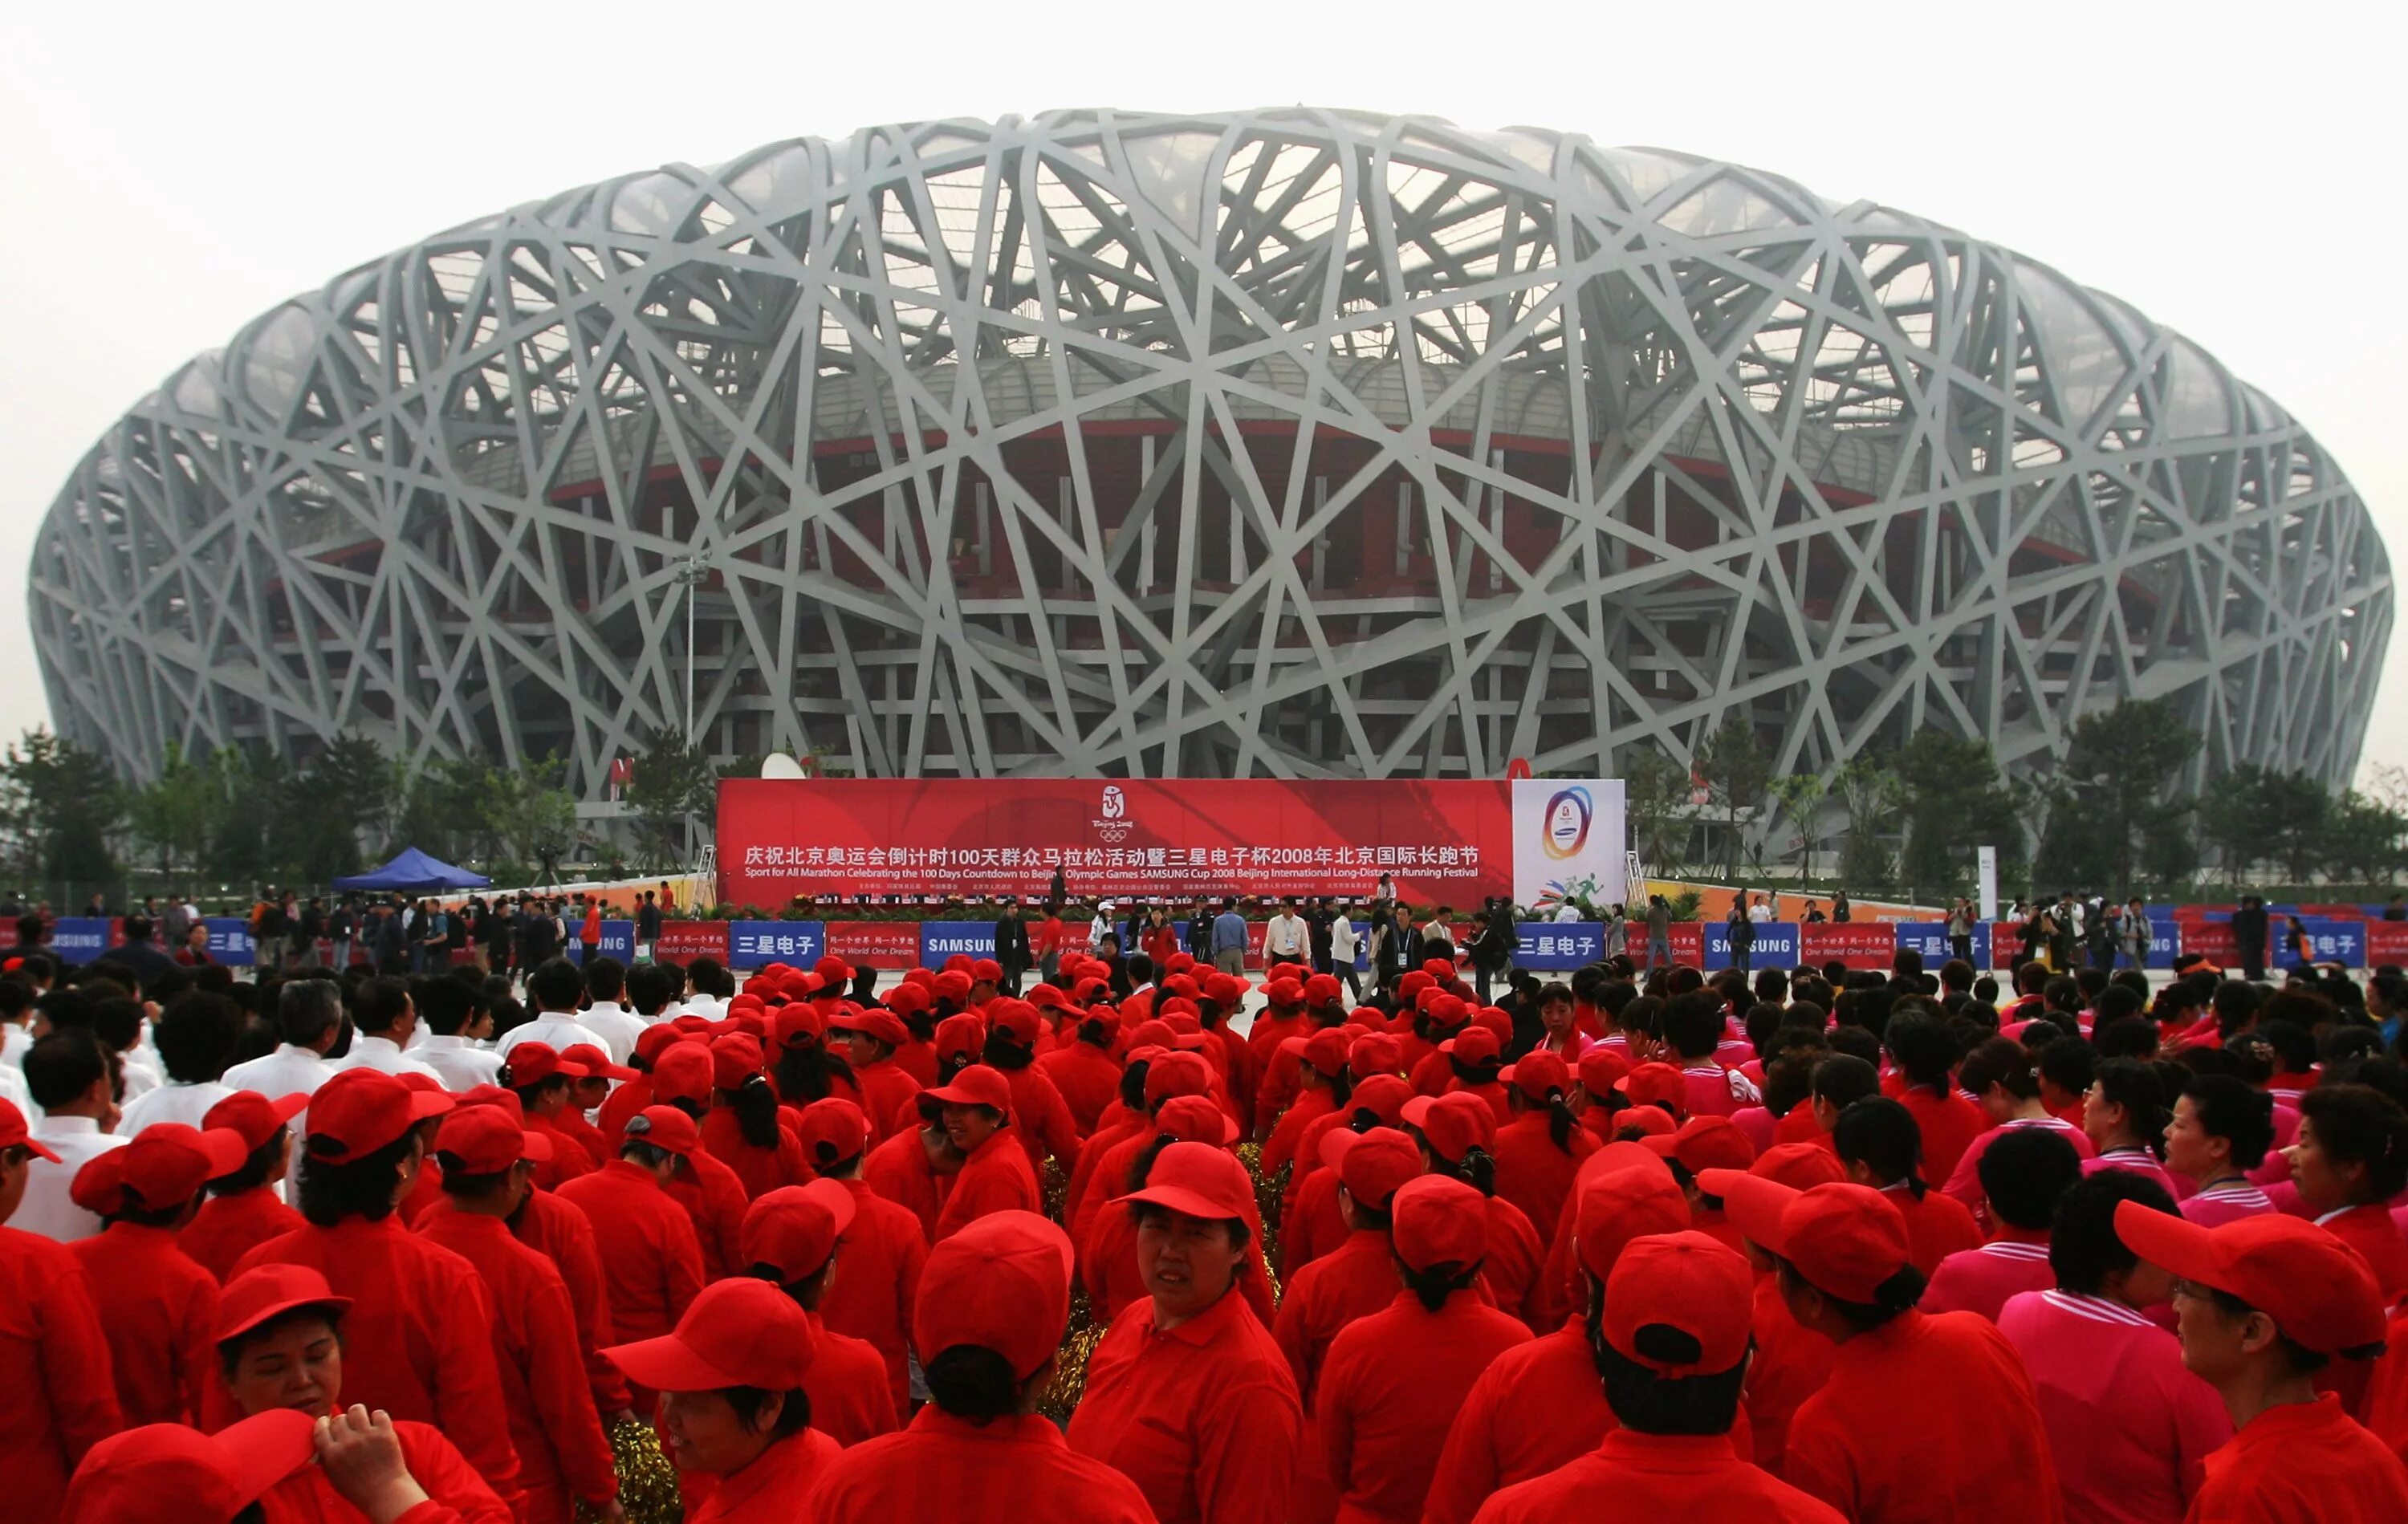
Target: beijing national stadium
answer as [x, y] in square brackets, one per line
[1292, 442]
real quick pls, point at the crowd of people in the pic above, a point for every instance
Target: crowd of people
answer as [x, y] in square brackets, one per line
[1152, 1240]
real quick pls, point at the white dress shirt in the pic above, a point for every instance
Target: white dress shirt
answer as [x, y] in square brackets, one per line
[461, 1064]
[47, 1209]
[136, 1076]
[14, 1090]
[619, 1027]
[384, 1055]
[706, 1006]
[174, 1102]
[1285, 936]
[561, 1029]
[282, 1072]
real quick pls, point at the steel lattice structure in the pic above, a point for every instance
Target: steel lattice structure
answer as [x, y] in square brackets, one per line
[1286, 442]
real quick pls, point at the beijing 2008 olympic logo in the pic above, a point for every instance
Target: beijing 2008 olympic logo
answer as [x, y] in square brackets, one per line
[1114, 824]
[1564, 828]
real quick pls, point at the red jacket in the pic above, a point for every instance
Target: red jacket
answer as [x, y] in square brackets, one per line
[876, 1282]
[1669, 1476]
[2305, 1462]
[1533, 1173]
[553, 1424]
[889, 1097]
[162, 1322]
[851, 1399]
[1392, 1383]
[996, 1177]
[900, 1171]
[758, 1170]
[999, 1472]
[1351, 1282]
[56, 1396]
[651, 1260]
[456, 1493]
[1042, 1120]
[1087, 1078]
[715, 1198]
[417, 1341]
[560, 1232]
[229, 1227]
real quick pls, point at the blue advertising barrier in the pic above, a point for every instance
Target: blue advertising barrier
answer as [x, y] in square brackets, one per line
[230, 941]
[941, 939]
[2342, 942]
[1931, 939]
[1544, 947]
[80, 939]
[752, 943]
[618, 941]
[1776, 945]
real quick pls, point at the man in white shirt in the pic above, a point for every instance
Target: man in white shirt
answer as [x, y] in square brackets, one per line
[556, 988]
[310, 1018]
[606, 981]
[68, 1073]
[1285, 935]
[196, 1037]
[385, 1019]
[452, 1021]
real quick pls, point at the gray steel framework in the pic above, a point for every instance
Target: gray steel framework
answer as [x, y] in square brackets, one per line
[1286, 442]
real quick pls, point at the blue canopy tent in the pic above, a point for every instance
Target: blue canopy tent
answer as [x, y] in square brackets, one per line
[414, 872]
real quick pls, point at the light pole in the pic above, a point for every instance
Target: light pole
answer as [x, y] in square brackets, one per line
[690, 575]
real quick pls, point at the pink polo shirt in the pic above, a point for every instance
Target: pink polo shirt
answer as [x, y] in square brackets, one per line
[1983, 1279]
[2227, 1201]
[2138, 1162]
[1708, 1091]
[2128, 1427]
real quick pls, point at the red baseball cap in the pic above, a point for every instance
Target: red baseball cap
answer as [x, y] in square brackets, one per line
[1448, 1010]
[1015, 1019]
[1843, 1240]
[796, 1025]
[1372, 1165]
[877, 1022]
[1453, 1123]
[361, 1110]
[1618, 1204]
[1679, 1304]
[1706, 1142]
[832, 1130]
[1652, 1083]
[954, 984]
[488, 1140]
[833, 970]
[664, 1127]
[1647, 1121]
[794, 1228]
[1411, 984]
[1175, 1074]
[2318, 1291]
[734, 1059]
[14, 1134]
[655, 1038]
[1325, 1050]
[684, 1072]
[963, 1031]
[1602, 1069]
[1473, 1045]
[986, 971]
[494, 1095]
[1384, 1096]
[1539, 1074]
[1281, 993]
[977, 1085]
[1800, 1166]
[1434, 1220]
[595, 1063]
[1002, 1283]
[1197, 1180]
[247, 1112]
[166, 1165]
[532, 1063]
[168, 1474]
[1322, 990]
[738, 1332]
[1196, 1118]
[1374, 1053]
[908, 996]
[271, 1290]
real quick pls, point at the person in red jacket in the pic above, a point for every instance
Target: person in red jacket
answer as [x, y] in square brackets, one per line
[1673, 1353]
[161, 1307]
[586, 1095]
[2262, 1305]
[1084, 1069]
[1105, 1163]
[243, 1210]
[994, 1303]
[1187, 1395]
[283, 1339]
[885, 1249]
[169, 1471]
[1392, 1381]
[870, 1039]
[488, 1163]
[543, 1079]
[1540, 1406]
[709, 1191]
[1312, 1225]
[1039, 1117]
[1926, 1053]
[1455, 1132]
[734, 1406]
[2350, 1160]
[1539, 1148]
[995, 1175]
[57, 1399]
[1880, 1147]
[1357, 1277]
[743, 1129]
[790, 1240]
[421, 1348]
[650, 1259]
[1969, 1445]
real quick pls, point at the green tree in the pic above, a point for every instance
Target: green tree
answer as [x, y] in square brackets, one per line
[66, 808]
[673, 793]
[1655, 792]
[2299, 813]
[1737, 773]
[2362, 838]
[2232, 816]
[1798, 796]
[1870, 794]
[176, 814]
[2116, 782]
[250, 792]
[533, 812]
[1954, 799]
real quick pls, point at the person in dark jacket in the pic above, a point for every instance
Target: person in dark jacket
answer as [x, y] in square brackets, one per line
[2249, 936]
[1742, 931]
[1011, 947]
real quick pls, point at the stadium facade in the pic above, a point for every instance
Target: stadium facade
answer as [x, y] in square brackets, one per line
[1286, 442]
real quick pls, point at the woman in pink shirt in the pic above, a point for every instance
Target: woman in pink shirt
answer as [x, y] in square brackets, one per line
[2125, 1114]
[2221, 1130]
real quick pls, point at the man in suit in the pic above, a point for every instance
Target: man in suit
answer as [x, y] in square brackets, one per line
[2249, 936]
[1011, 947]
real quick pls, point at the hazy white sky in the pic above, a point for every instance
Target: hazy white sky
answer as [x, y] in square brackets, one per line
[164, 177]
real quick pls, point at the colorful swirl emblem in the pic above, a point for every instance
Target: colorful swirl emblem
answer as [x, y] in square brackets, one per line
[1564, 829]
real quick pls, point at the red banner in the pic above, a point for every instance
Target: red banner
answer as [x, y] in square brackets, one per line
[2386, 941]
[879, 944]
[1688, 939]
[1856, 943]
[682, 941]
[2213, 939]
[1442, 842]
